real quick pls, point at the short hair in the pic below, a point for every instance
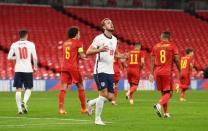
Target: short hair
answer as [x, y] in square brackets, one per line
[72, 32]
[137, 43]
[188, 50]
[103, 21]
[23, 33]
[166, 34]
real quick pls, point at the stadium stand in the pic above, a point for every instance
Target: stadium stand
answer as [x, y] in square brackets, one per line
[48, 30]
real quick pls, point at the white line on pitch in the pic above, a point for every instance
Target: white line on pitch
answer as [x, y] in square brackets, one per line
[46, 124]
[46, 118]
[37, 118]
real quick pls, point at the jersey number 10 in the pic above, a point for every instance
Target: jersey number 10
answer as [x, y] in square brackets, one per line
[23, 53]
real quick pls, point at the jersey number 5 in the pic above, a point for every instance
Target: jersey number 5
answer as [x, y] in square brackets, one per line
[23, 53]
[133, 59]
[162, 56]
[67, 53]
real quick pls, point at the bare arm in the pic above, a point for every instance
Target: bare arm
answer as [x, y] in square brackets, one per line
[35, 59]
[152, 66]
[142, 63]
[82, 55]
[92, 50]
[120, 56]
[11, 54]
[177, 62]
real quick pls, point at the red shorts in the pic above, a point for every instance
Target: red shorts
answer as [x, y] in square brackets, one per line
[163, 82]
[133, 76]
[185, 81]
[71, 77]
[117, 77]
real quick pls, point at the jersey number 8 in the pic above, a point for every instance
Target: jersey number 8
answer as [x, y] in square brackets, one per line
[162, 56]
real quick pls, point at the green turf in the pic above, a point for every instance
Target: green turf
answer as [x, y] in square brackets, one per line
[190, 116]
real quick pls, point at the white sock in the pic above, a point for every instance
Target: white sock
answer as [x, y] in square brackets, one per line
[27, 96]
[99, 106]
[93, 102]
[19, 101]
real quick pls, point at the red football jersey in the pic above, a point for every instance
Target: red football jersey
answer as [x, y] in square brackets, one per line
[116, 66]
[134, 61]
[164, 53]
[71, 55]
[185, 64]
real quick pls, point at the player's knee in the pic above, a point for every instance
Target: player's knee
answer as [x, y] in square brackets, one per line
[18, 89]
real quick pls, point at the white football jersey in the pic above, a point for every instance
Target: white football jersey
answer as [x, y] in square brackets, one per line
[105, 60]
[21, 51]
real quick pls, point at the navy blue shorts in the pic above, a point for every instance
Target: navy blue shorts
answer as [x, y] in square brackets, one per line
[104, 80]
[22, 78]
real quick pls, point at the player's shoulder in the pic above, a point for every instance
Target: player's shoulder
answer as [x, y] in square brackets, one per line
[135, 51]
[100, 36]
[30, 43]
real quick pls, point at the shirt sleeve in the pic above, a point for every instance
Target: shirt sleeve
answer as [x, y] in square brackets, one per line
[34, 54]
[175, 50]
[80, 47]
[96, 43]
[11, 54]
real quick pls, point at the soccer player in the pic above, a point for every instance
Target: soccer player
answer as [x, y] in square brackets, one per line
[187, 65]
[104, 46]
[72, 51]
[21, 51]
[163, 55]
[135, 65]
[118, 67]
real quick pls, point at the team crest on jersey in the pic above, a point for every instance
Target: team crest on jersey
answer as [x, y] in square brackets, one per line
[102, 84]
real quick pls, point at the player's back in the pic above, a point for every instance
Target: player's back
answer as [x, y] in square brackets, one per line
[134, 61]
[185, 64]
[164, 57]
[70, 54]
[23, 50]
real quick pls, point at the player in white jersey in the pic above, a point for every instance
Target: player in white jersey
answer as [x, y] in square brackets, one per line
[21, 51]
[104, 46]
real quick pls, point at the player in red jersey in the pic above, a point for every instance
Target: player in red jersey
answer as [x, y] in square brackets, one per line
[72, 51]
[135, 65]
[163, 55]
[118, 67]
[186, 68]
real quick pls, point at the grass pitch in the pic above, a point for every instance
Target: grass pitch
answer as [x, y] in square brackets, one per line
[191, 115]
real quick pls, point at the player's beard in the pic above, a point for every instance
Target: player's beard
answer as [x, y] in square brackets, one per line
[110, 30]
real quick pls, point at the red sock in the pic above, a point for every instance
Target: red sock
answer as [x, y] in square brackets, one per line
[165, 98]
[61, 99]
[165, 107]
[115, 92]
[132, 90]
[182, 93]
[82, 99]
